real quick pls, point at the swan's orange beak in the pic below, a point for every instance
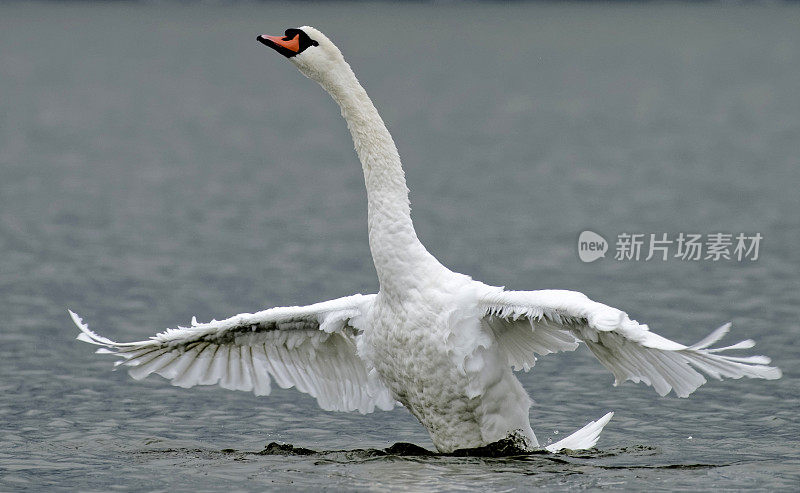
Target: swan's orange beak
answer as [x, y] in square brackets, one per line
[285, 45]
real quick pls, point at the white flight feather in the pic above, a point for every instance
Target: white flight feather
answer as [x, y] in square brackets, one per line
[628, 349]
[311, 348]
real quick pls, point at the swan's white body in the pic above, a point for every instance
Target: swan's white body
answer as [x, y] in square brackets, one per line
[437, 342]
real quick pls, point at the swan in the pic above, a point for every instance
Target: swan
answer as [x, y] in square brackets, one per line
[436, 342]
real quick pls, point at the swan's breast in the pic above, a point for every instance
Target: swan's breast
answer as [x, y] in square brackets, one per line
[410, 353]
[426, 351]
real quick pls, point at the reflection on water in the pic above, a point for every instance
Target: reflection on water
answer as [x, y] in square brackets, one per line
[156, 163]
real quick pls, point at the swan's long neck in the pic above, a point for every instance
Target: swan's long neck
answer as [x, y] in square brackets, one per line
[401, 261]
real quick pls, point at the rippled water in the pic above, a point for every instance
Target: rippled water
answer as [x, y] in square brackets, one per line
[157, 163]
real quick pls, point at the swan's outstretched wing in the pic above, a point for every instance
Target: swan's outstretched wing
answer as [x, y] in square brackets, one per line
[545, 321]
[312, 348]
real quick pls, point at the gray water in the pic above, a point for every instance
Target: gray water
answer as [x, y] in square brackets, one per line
[156, 163]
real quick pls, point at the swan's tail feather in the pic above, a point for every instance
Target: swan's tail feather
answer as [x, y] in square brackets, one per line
[585, 438]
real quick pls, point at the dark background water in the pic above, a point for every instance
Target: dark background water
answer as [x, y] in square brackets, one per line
[156, 163]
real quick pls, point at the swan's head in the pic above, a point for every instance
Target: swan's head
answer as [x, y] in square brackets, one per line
[310, 50]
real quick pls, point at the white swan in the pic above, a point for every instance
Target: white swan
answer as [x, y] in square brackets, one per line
[440, 343]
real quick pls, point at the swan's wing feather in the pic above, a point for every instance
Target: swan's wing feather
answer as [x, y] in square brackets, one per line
[311, 348]
[522, 338]
[541, 321]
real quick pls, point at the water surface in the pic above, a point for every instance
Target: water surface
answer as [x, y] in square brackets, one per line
[156, 163]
